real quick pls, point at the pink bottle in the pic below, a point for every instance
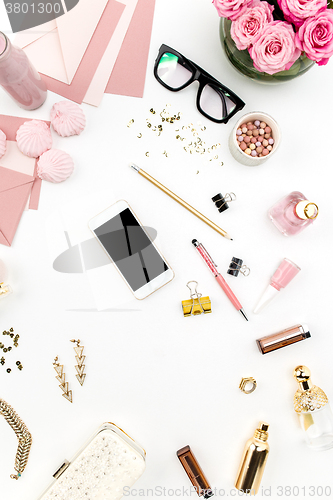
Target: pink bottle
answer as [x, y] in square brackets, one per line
[293, 213]
[286, 271]
[19, 78]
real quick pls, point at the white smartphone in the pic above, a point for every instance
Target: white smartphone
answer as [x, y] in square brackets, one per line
[132, 251]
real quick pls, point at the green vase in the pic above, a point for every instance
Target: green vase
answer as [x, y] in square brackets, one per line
[241, 60]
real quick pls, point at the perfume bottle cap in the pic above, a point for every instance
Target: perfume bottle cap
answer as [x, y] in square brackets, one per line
[261, 431]
[302, 374]
[306, 210]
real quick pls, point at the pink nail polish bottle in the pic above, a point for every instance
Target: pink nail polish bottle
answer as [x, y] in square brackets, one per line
[293, 213]
[19, 78]
[286, 271]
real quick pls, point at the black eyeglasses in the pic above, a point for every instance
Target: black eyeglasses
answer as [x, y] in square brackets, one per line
[175, 72]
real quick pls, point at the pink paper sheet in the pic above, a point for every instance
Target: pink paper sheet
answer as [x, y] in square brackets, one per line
[10, 125]
[91, 59]
[98, 84]
[129, 73]
[15, 189]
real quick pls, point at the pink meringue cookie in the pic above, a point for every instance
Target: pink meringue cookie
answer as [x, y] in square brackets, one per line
[3, 143]
[67, 118]
[55, 166]
[34, 138]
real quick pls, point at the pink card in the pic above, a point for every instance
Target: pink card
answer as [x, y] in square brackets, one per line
[129, 73]
[10, 125]
[91, 59]
[15, 189]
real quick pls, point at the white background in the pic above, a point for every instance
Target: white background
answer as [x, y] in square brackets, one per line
[167, 380]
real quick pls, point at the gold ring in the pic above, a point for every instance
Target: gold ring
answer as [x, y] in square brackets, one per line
[248, 385]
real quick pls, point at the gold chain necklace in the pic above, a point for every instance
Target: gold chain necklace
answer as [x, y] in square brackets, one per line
[23, 436]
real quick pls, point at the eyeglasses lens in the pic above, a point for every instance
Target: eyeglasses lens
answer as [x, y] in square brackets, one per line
[172, 72]
[216, 103]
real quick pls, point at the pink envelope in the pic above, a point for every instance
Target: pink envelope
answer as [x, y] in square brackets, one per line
[10, 125]
[58, 47]
[91, 59]
[14, 192]
[129, 73]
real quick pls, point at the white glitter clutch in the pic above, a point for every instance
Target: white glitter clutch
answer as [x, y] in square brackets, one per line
[103, 470]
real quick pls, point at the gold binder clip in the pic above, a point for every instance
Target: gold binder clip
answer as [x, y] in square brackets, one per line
[196, 305]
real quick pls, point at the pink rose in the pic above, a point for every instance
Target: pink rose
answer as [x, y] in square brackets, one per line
[315, 37]
[231, 8]
[297, 11]
[248, 26]
[274, 48]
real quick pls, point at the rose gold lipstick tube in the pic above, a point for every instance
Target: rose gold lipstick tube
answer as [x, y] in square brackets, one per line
[282, 339]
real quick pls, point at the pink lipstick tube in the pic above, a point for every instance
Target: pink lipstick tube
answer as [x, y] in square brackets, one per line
[286, 271]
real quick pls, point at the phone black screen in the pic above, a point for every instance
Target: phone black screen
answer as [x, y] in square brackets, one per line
[130, 248]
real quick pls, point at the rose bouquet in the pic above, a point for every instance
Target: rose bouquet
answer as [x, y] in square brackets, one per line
[276, 33]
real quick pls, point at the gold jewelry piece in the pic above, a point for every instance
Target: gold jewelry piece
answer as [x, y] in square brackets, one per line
[23, 436]
[80, 360]
[248, 385]
[61, 378]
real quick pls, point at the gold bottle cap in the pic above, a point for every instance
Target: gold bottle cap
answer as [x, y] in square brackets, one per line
[306, 210]
[261, 431]
[302, 374]
[309, 397]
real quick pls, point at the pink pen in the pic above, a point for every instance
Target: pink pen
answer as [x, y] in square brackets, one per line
[225, 287]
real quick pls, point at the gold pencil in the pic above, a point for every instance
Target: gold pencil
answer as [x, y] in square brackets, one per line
[181, 202]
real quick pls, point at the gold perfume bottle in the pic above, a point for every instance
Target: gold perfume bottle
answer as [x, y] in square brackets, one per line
[4, 289]
[314, 412]
[253, 461]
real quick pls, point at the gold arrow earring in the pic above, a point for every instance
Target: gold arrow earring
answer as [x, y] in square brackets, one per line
[80, 360]
[61, 378]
